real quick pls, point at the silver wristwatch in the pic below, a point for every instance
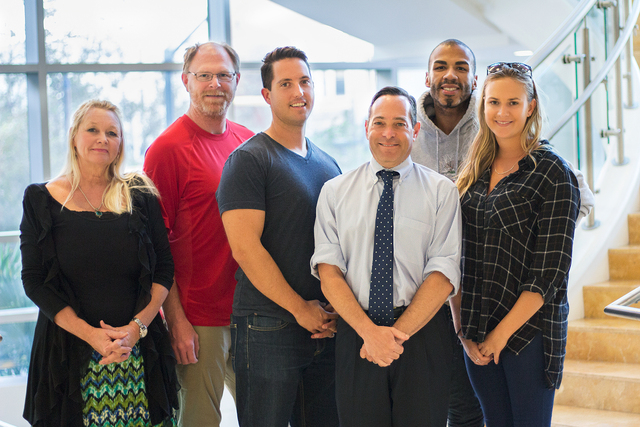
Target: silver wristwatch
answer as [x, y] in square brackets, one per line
[143, 329]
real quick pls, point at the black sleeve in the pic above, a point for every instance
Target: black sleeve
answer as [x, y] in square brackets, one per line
[163, 273]
[41, 284]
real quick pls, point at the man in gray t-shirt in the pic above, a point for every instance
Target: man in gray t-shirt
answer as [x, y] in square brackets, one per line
[282, 327]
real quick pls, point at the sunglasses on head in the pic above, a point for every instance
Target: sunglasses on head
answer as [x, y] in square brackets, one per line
[518, 66]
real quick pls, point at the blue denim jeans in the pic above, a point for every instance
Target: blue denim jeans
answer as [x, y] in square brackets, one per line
[513, 393]
[282, 375]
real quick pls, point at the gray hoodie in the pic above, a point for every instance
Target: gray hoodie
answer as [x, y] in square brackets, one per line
[436, 150]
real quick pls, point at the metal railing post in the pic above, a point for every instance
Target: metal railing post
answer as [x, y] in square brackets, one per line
[588, 127]
[631, 102]
[619, 160]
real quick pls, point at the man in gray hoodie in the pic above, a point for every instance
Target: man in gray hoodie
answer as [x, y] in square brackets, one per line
[448, 124]
[447, 112]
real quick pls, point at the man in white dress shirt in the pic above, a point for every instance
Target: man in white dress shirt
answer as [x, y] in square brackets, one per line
[395, 373]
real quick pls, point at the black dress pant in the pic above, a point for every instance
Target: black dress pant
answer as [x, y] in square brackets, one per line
[412, 391]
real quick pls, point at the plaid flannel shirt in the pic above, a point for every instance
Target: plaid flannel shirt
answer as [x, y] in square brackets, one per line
[519, 238]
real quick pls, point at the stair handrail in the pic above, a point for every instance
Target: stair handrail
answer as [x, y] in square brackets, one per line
[620, 307]
[595, 82]
[567, 26]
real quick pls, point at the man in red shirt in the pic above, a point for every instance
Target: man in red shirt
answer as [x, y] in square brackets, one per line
[185, 163]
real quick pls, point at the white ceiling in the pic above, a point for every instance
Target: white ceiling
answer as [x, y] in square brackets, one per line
[407, 30]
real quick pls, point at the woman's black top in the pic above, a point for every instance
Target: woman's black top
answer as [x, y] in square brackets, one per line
[103, 269]
[98, 258]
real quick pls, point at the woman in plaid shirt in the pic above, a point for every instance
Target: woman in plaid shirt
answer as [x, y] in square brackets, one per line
[519, 203]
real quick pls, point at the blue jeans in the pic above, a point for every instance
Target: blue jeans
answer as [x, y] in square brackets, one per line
[513, 393]
[282, 375]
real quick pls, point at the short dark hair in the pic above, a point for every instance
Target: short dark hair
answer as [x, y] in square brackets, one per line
[456, 42]
[397, 91]
[277, 54]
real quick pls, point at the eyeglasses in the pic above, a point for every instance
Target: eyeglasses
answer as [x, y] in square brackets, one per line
[518, 66]
[207, 77]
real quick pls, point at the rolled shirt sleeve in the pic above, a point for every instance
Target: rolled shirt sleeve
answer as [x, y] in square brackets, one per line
[552, 254]
[443, 254]
[327, 243]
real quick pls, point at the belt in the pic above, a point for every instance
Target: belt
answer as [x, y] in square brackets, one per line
[397, 312]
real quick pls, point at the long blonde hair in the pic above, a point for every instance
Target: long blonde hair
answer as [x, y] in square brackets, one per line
[117, 197]
[484, 147]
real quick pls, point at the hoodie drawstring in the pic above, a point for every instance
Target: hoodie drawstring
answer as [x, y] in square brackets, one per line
[438, 151]
[455, 172]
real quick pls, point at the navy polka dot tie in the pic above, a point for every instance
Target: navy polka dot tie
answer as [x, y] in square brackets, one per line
[381, 292]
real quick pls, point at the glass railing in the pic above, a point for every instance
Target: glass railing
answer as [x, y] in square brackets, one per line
[589, 59]
[583, 60]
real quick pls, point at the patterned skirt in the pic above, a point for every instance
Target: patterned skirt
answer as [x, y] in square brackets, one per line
[114, 395]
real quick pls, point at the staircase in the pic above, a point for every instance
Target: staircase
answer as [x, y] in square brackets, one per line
[601, 385]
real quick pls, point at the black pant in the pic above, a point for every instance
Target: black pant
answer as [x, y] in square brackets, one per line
[464, 407]
[412, 391]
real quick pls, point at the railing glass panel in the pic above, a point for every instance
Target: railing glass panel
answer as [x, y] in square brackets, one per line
[562, 79]
[557, 82]
[597, 32]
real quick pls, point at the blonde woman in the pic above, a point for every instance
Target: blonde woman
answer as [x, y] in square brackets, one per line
[520, 203]
[96, 261]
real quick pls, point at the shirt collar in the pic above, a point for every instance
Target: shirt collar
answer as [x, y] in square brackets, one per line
[404, 169]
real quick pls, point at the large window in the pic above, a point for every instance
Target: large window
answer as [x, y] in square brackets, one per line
[56, 54]
[337, 122]
[122, 31]
[140, 96]
[14, 148]
[12, 32]
[91, 50]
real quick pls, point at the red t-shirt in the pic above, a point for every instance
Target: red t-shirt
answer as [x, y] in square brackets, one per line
[185, 163]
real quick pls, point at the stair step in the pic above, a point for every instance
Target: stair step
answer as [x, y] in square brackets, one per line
[634, 229]
[600, 385]
[607, 340]
[624, 263]
[571, 416]
[597, 297]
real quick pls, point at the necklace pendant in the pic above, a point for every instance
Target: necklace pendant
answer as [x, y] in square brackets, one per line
[98, 214]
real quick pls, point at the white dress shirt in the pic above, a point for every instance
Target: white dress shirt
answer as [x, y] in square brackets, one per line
[427, 228]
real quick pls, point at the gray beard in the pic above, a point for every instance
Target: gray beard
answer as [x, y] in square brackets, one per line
[215, 111]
